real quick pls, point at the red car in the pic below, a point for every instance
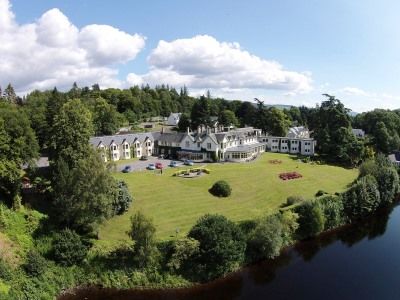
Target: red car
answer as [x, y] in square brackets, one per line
[159, 165]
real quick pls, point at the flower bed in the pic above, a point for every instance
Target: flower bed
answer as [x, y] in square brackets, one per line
[290, 175]
[187, 172]
[275, 161]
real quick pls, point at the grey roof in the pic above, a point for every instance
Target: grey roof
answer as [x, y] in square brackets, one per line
[169, 137]
[175, 115]
[244, 148]
[120, 138]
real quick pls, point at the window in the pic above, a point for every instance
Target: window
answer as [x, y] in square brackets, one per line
[198, 145]
[114, 147]
[208, 145]
[187, 144]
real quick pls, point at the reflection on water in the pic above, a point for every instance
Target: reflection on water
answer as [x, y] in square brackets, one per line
[356, 262]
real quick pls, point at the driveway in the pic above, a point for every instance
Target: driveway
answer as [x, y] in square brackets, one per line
[141, 165]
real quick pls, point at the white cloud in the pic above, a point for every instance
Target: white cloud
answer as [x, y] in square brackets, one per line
[54, 52]
[353, 91]
[204, 62]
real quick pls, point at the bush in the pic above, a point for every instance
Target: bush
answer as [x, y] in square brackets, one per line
[320, 193]
[362, 198]
[293, 200]
[35, 264]
[311, 219]
[221, 247]
[123, 199]
[5, 271]
[333, 209]
[68, 248]
[220, 189]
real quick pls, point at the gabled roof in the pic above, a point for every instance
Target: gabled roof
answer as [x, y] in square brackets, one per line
[170, 137]
[119, 139]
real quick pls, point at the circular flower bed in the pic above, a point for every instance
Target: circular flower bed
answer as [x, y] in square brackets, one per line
[290, 175]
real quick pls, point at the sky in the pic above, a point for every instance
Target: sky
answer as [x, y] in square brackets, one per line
[284, 52]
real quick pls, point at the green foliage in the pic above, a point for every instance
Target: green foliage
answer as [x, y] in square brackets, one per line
[68, 248]
[123, 198]
[362, 198]
[320, 193]
[6, 273]
[266, 239]
[184, 122]
[183, 250]
[228, 118]
[333, 210]
[71, 131]
[221, 189]
[142, 232]
[294, 200]
[83, 195]
[35, 264]
[311, 219]
[106, 119]
[221, 248]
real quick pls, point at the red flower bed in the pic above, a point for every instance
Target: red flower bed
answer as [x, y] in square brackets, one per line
[290, 175]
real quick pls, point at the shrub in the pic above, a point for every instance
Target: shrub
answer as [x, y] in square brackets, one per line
[5, 271]
[362, 198]
[221, 189]
[266, 239]
[221, 247]
[333, 209]
[35, 264]
[123, 198]
[320, 193]
[69, 248]
[182, 251]
[311, 219]
[294, 200]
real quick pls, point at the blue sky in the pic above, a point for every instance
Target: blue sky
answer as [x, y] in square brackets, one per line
[347, 48]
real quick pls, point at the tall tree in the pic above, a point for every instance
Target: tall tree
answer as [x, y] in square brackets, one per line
[83, 193]
[106, 119]
[71, 132]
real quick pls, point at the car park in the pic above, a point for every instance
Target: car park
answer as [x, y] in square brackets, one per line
[188, 162]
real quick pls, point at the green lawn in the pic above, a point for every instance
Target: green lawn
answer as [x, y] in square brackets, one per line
[256, 189]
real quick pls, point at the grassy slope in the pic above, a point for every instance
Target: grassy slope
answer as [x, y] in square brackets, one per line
[256, 188]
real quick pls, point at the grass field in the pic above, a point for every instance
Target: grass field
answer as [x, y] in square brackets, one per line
[256, 189]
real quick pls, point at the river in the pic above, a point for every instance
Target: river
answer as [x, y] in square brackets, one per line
[356, 262]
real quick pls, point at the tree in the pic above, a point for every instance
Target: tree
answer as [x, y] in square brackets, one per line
[83, 194]
[71, 132]
[142, 232]
[221, 248]
[200, 114]
[311, 219]
[277, 123]
[16, 124]
[9, 95]
[183, 251]
[246, 114]
[362, 198]
[184, 123]
[382, 138]
[123, 198]
[266, 239]
[106, 119]
[68, 248]
[228, 118]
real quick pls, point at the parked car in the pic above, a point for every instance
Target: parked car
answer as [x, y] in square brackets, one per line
[188, 162]
[127, 169]
[159, 165]
[151, 167]
[144, 157]
[161, 156]
[173, 164]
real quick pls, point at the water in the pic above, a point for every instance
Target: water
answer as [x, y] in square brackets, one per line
[356, 262]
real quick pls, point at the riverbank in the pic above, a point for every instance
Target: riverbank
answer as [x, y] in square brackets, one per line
[323, 259]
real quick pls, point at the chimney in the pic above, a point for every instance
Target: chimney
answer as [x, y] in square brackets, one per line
[187, 130]
[198, 129]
